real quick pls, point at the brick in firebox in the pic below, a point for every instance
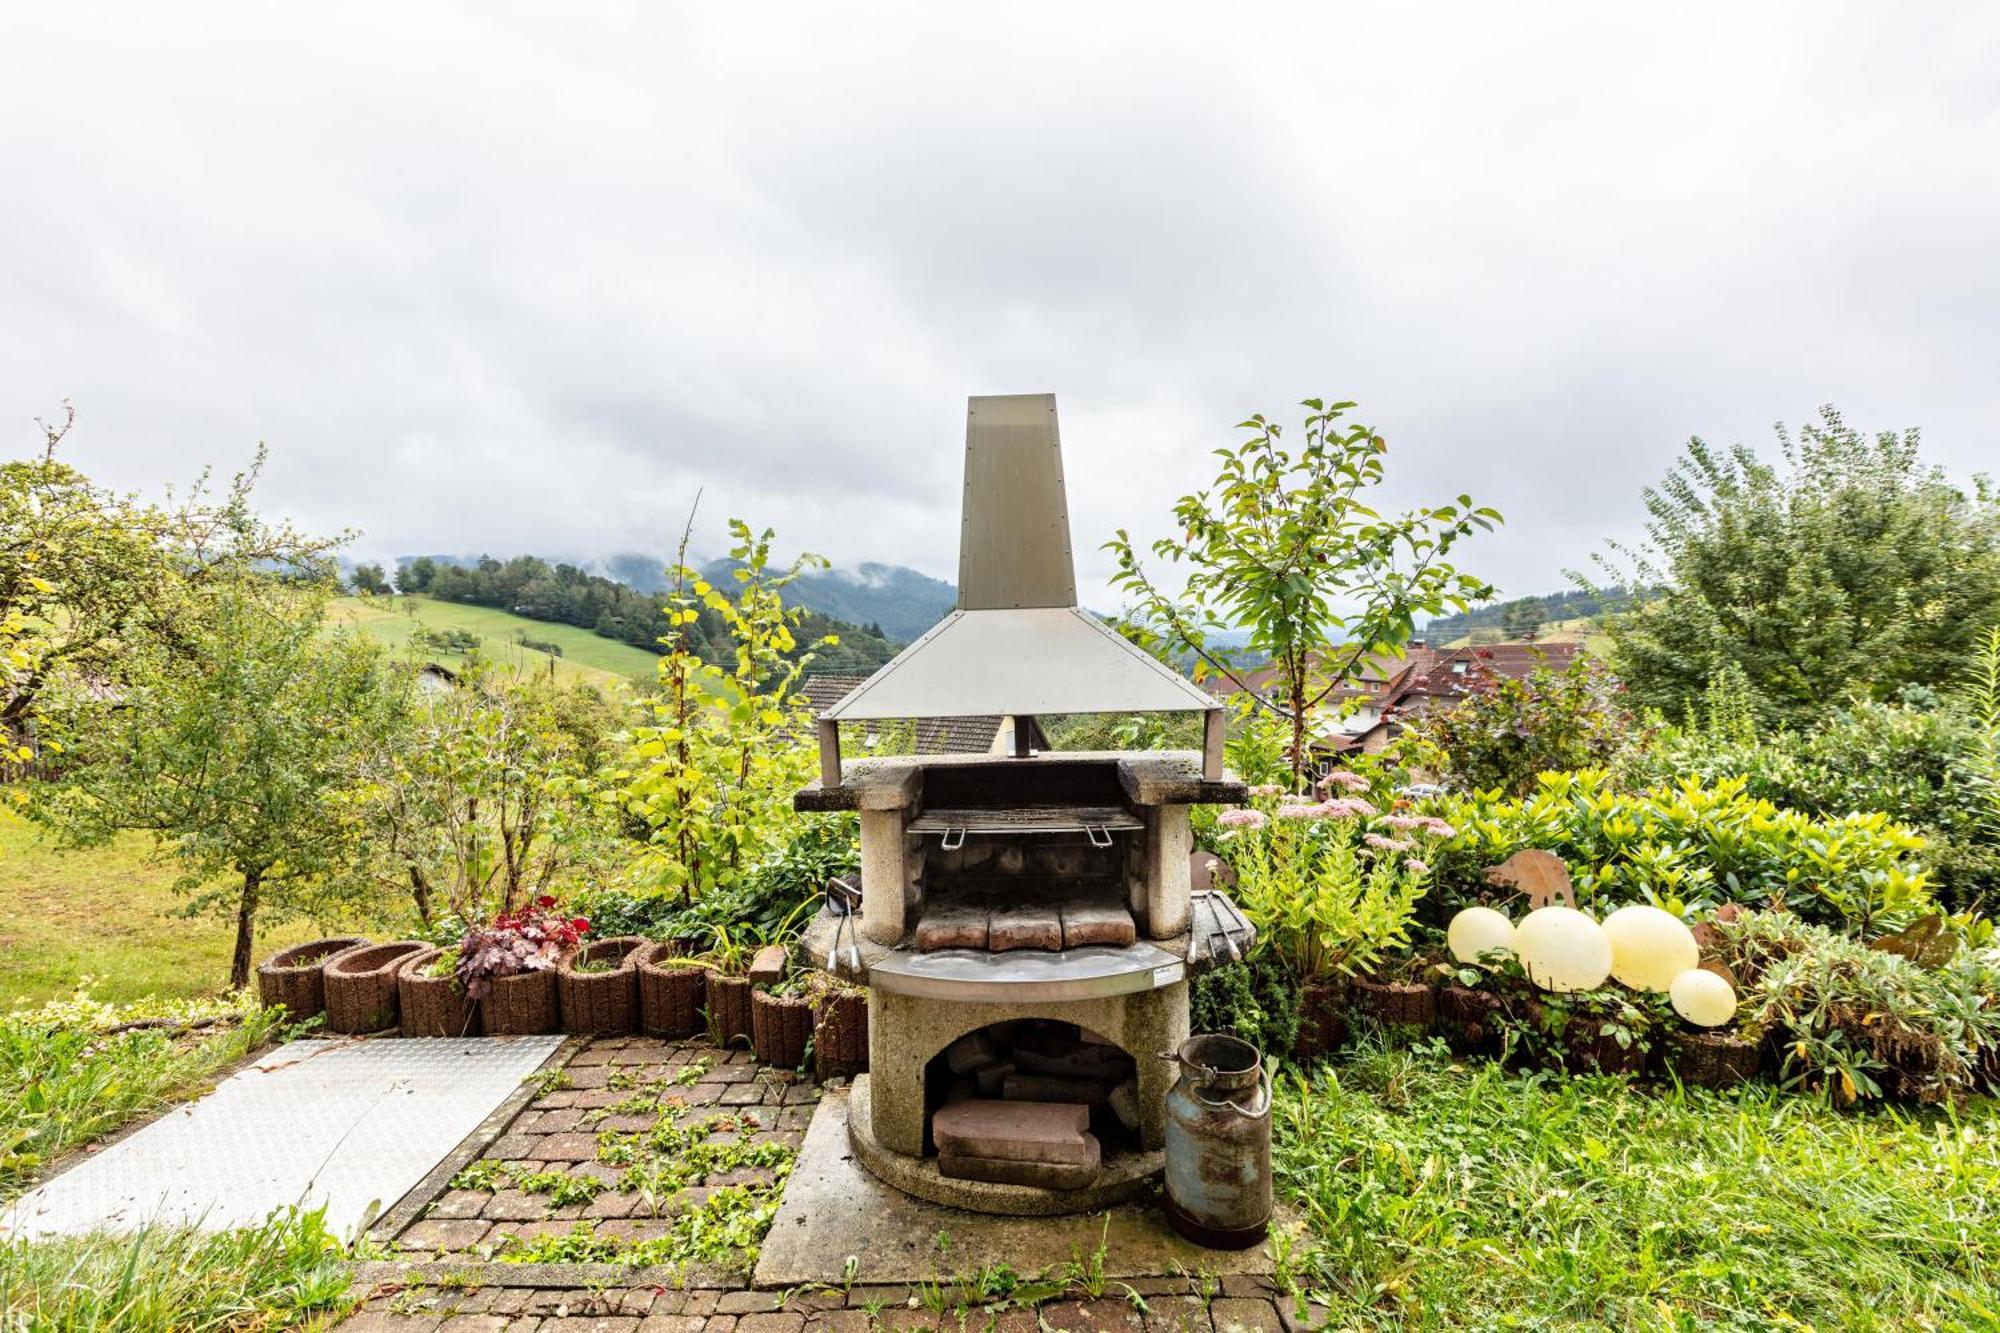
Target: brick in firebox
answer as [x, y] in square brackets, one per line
[1041, 1175]
[1019, 1131]
[1093, 923]
[1027, 926]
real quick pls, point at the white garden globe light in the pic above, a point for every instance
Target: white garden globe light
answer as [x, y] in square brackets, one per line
[1703, 998]
[1649, 947]
[1562, 949]
[1477, 931]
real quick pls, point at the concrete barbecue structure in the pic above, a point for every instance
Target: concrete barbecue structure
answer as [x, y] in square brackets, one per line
[1026, 925]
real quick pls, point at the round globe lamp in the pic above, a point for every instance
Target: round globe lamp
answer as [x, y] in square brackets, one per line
[1702, 998]
[1649, 947]
[1563, 950]
[1478, 931]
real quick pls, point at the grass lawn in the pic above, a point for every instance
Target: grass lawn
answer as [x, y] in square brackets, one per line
[586, 656]
[1443, 1195]
[108, 913]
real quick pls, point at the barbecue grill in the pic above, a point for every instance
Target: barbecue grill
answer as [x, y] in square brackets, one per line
[1026, 927]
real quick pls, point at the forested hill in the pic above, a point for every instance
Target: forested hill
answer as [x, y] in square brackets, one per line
[567, 595]
[1525, 615]
[896, 599]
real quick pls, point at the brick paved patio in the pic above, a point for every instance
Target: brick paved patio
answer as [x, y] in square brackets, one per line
[617, 1157]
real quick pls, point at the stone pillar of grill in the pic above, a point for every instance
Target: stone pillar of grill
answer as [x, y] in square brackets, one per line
[885, 875]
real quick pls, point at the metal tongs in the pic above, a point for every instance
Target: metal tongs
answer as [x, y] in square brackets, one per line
[843, 899]
[1227, 929]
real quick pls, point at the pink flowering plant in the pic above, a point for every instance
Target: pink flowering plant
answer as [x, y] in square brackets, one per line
[1330, 881]
[533, 939]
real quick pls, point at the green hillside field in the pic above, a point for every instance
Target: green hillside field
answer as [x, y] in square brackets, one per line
[586, 657]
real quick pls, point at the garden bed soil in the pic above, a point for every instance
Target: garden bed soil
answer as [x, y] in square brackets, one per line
[670, 994]
[361, 986]
[602, 1003]
[521, 1005]
[433, 1006]
[1391, 1004]
[781, 1027]
[1322, 1018]
[840, 1033]
[728, 1008]
[1712, 1059]
[1469, 1020]
[295, 978]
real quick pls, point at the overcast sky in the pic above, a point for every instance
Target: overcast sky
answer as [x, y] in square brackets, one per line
[499, 279]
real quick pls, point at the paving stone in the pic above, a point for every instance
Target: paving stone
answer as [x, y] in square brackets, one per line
[513, 1144]
[1101, 1316]
[612, 1204]
[590, 1324]
[516, 1206]
[442, 1235]
[552, 1122]
[458, 1204]
[1177, 1314]
[841, 1321]
[1246, 1287]
[719, 1323]
[597, 1053]
[569, 1148]
[728, 1074]
[701, 1303]
[634, 1229]
[876, 1295]
[511, 1300]
[805, 1094]
[373, 1321]
[603, 1171]
[1242, 1314]
[474, 1323]
[741, 1094]
[590, 1078]
[671, 1323]
[747, 1302]
[596, 1099]
[626, 1124]
[782, 1321]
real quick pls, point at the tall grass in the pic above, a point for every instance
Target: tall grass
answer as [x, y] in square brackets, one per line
[285, 1273]
[1440, 1196]
[65, 1081]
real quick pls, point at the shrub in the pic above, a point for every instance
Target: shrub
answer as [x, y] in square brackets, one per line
[530, 940]
[1330, 885]
[1911, 760]
[1860, 1023]
[1689, 844]
[1505, 732]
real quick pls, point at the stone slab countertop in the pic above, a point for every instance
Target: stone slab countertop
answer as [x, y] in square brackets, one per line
[1149, 777]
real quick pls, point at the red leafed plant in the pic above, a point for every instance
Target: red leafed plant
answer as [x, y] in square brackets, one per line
[530, 940]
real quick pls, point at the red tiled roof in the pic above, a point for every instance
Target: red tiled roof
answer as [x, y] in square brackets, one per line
[934, 735]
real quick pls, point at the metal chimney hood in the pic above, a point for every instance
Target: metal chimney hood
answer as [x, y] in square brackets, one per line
[1017, 644]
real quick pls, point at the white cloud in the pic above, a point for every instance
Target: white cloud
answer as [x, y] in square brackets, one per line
[505, 279]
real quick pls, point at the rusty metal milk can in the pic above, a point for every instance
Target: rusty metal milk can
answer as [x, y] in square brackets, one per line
[1219, 1143]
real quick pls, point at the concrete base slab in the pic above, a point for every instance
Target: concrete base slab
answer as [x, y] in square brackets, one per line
[351, 1124]
[835, 1210]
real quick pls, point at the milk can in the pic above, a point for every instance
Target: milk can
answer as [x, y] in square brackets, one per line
[1219, 1143]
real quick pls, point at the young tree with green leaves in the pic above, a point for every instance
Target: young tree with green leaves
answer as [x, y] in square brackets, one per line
[1846, 567]
[88, 576]
[710, 776]
[234, 747]
[1286, 545]
[475, 799]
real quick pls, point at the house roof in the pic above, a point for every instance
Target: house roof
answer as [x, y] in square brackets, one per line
[1447, 675]
[933, 735]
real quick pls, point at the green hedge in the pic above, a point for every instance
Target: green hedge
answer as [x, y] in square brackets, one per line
[1688, 843]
